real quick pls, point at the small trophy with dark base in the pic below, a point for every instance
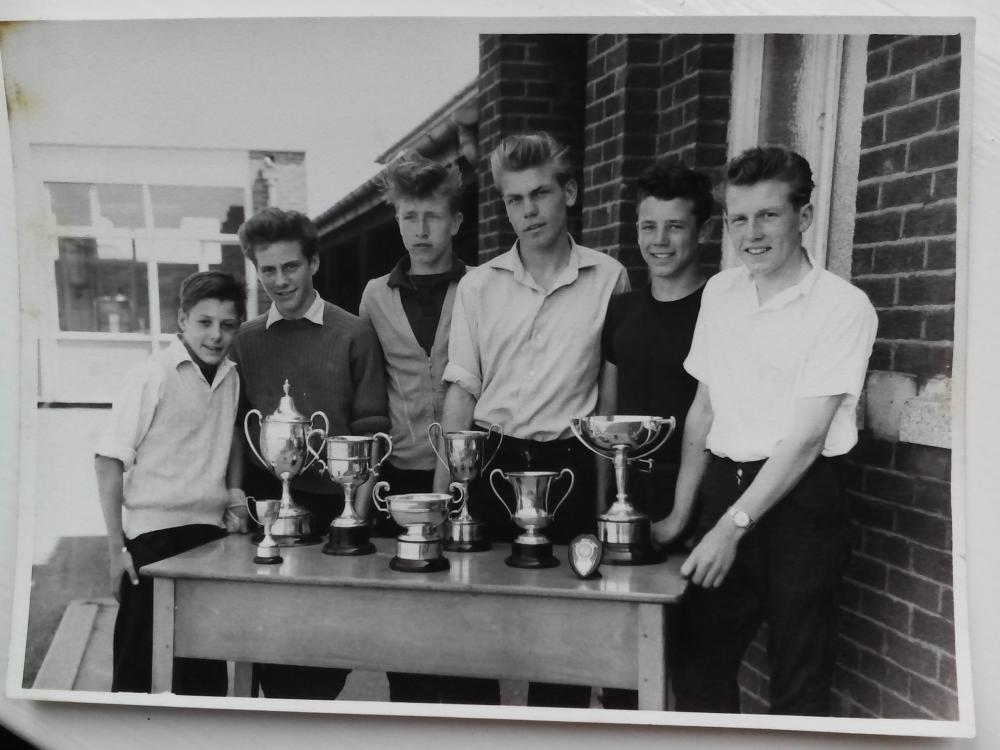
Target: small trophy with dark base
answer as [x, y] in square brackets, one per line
[624, 531]
[463, 457]
[531, 549]
[418, 548]
[264, 512]
[349, 463]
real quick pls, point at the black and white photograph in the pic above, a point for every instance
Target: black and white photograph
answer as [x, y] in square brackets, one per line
[562, 370]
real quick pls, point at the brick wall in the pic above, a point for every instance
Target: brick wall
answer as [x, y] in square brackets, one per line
[897, 647]
[526, 83]
[289, 180]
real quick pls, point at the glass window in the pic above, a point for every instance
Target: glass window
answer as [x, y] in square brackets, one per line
[121, 206]
[114, 206]
[171, 276]
[214, 210]
[99, 288]
[70, 203]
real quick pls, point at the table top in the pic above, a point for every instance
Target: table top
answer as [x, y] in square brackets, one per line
[231, 559]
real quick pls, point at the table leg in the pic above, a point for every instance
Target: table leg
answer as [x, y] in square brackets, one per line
[652, 655]
[242, 679]
[163, 635]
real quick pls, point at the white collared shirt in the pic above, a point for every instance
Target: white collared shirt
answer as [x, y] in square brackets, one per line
[812, 339]
[314, 314]
[171, 430]
[531, 357]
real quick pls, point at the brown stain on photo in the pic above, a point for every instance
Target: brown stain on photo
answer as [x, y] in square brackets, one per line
[17, 98]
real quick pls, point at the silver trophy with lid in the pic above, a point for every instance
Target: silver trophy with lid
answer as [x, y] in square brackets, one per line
[283, 450]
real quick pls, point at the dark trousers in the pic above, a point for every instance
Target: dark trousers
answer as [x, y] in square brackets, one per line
[133, 637]
[786, 573]
[577, 515]
[408, 687]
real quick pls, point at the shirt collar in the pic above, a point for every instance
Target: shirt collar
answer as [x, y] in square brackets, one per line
[179, 354]
[511, 261]
[314, 314]
[743, 280]
[400, 274]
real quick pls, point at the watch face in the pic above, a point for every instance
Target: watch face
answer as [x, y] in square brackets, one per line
[740, 518]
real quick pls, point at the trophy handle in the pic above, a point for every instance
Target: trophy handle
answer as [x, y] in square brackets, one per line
[663, 438]
[573, 425]
[326, 430]
[430, 436]
[377, 499]
[569, 489]
[246, 432]
[502, 501]
[458, 503]
[314, 453]
[388, 451]
[499, 432]
[250, 504]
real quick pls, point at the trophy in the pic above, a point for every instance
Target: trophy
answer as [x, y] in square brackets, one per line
[349, 463]
[283, 451]
[268, 552]
[464, 459]
[418, 548]
[531, 549]
[623, 530]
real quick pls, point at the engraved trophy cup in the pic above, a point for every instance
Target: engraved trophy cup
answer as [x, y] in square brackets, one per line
[418, 548]
[265, 512]
[531, 549]
[623, 530]
[349, 464]
[283, 451]
[463, 457]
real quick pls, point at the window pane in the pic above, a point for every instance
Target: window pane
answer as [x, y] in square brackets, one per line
[70, 203]
[100, 287]
[784, 58]
[198, 209]
[121, 205]
[171, 276]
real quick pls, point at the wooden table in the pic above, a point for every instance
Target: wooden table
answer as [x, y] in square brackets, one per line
[481, 618]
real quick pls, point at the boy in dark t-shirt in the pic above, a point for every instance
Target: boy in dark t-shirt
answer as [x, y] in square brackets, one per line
[647, 334]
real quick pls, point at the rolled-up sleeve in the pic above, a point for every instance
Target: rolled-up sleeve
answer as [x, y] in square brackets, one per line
[131, 414]
[838, 360]
[464, 367]
[370, 410]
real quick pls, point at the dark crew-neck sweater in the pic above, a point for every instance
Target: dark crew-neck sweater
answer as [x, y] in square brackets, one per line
[335, 368]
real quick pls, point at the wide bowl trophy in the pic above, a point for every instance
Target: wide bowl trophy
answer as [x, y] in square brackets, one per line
[283, 451]
[418, 548]
[531, 549]
[623, 530]
[463, 457]
[349, 464]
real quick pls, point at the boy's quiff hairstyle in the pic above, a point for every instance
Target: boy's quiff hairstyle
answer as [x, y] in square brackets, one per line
[415, 177]
[527, 150]
[668, 179]
[772, 163]
[213, 285]
[272, 225]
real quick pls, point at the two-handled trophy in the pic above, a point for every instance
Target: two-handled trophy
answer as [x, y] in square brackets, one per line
[349, 464]
[531, 549]
[623, 530]
[463, 457]
[418, 548]
[283, 451]
[264, 512]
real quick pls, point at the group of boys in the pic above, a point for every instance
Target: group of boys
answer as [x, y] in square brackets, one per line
[762, 366]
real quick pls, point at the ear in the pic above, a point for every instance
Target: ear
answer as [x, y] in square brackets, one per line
[182, 318]
[705, 233]
[805, 217]
[314, 264]
[456, 222]
[570, 189]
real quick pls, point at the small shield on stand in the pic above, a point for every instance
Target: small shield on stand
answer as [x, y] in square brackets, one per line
[585, 553]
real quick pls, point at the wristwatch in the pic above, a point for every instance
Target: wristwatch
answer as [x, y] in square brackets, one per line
[741, 518]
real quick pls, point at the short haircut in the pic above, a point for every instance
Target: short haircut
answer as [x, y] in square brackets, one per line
[772, 163]
[272, 225]
[667, 179]
[528, 150]
[412, 176]
[213, 285]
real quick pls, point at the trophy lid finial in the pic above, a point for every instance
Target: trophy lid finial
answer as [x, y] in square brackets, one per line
[286, 411]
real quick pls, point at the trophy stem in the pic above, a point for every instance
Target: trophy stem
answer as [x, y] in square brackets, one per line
[621, 473]
[348, 516]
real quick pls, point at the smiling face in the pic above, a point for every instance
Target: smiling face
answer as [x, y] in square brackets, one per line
[427, 226]
[286, 275]
[208, 329]
[668, 236]
[764, 227]
[536, 206]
